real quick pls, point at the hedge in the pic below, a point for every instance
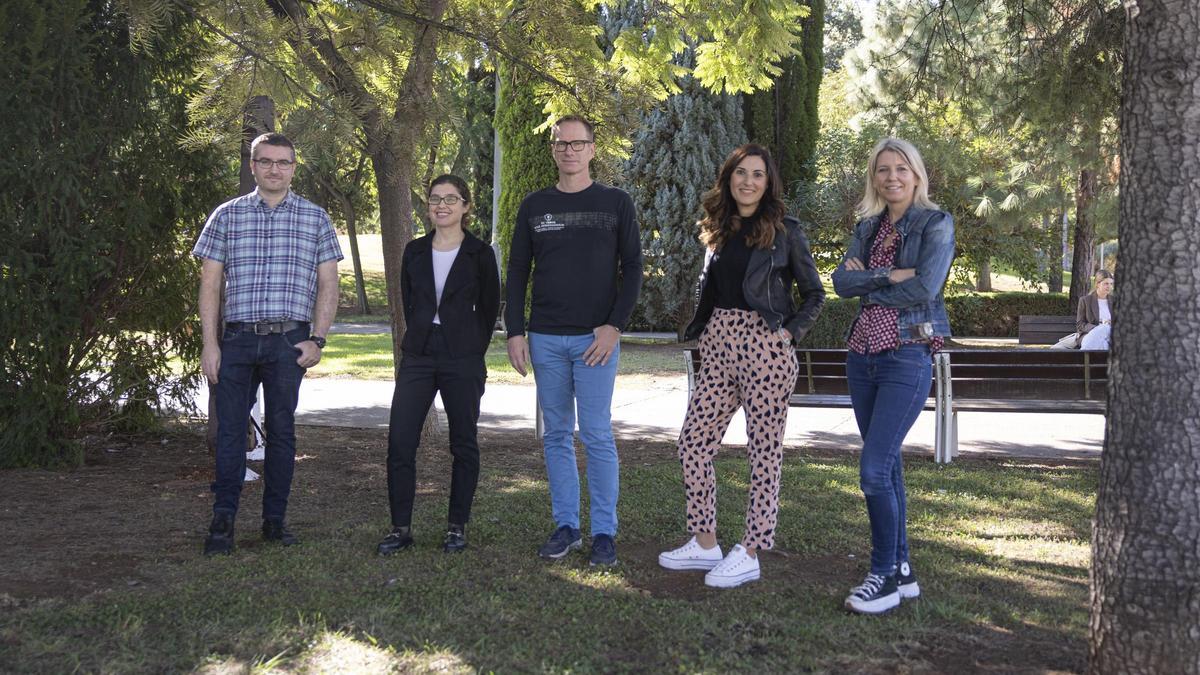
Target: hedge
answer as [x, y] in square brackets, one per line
[975, 315]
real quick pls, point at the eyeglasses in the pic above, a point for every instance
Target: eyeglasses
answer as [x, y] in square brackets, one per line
[449, 200]
[561, 146]
[264, 163]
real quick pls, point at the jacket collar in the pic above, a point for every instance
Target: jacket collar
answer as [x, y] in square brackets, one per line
[914, 214]
[470, 243]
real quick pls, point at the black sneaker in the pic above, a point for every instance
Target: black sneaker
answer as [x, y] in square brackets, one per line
[398, 539]
[563, 539]
[906, 581]
[220, 535]
[876, 595]
[275, 530]
[604, 550]
[456, 539]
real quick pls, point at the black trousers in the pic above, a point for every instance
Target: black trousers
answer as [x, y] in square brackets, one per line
[460, 381]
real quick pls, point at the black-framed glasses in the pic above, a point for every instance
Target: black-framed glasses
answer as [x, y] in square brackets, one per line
[449, 200]
[264, 163]
[561, 146]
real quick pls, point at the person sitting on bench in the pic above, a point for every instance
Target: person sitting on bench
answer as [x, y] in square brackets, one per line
[1094, 318]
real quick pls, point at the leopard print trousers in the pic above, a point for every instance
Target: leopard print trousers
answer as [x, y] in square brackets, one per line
[743, 363]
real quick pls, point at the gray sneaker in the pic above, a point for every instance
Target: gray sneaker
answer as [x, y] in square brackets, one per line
[561, 541]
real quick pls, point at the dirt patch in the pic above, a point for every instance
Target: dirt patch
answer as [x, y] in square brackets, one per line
[141, 504]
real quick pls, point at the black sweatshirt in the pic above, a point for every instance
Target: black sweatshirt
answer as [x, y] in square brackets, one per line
[575, 242]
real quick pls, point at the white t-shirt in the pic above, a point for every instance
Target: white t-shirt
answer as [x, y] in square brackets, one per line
[1105, 312]
[442, 261]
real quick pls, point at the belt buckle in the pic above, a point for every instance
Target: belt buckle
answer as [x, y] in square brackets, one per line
[265, 326]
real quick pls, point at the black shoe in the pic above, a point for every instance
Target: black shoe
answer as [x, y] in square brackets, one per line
[906, 581]
[560, 542]
[876, 595]
[398, 539]
[220, 535]
[456, 539]
[604, 550]
[275, 530]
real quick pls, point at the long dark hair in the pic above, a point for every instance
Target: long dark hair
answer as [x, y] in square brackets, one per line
[721, 217]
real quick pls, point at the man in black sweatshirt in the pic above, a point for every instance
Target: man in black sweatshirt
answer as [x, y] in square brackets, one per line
[581, 240]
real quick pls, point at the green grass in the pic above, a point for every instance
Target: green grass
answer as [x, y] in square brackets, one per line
[376, 286]
[369, 357]
[1001, 550]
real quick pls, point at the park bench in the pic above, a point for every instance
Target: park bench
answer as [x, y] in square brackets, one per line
[973, 380]
[1043, 330]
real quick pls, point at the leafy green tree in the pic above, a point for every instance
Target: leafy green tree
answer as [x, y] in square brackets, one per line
[373, 61]
[785, 118]
[99, 207]
[676, 157]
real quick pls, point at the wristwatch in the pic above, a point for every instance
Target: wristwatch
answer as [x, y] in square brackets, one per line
[317, 340]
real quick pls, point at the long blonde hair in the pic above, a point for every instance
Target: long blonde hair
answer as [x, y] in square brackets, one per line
[872, 203]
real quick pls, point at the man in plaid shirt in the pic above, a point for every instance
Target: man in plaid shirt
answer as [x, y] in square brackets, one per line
[277, 254]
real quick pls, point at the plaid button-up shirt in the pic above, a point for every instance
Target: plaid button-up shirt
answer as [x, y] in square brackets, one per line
[270, 255]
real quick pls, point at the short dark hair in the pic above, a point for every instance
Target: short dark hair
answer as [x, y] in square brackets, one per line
[463, 191]
[591, 132]
[273, 138]
[450, 179]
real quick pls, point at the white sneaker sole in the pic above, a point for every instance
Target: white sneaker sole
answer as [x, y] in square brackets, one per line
[909, 591]
[730, 582]
[687, 563]
[876, 606]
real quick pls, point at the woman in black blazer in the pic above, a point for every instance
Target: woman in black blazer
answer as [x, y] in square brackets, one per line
[450, 287]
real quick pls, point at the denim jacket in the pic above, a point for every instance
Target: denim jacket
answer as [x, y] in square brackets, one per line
[927, 245]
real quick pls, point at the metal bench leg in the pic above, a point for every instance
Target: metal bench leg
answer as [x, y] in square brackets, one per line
[945, 418]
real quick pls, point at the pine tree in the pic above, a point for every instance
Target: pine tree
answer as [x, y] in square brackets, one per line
[675, 158]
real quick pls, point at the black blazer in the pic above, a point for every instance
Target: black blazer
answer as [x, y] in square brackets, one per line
[470, 300]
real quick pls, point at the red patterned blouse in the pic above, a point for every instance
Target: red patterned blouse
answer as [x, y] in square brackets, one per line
[878, 328]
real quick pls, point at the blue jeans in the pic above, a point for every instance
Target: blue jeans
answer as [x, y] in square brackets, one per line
[888, 391]
[246, 361]
[566, 384]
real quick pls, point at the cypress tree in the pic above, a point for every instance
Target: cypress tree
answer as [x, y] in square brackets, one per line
[785, 118]
[675, 159]
[526, 164]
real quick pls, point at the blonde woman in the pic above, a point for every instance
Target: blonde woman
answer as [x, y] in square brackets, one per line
[896, 264]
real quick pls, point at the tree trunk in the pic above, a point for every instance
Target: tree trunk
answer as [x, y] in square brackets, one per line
[1145, 599]
[983, 282]
[1085, 237]
[258, 118]
[1054, 261]
[360, 283]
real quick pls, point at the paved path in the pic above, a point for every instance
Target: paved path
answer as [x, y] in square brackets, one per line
[656, 410]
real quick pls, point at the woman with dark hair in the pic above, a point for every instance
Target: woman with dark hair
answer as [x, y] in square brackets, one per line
[451, 291]
[896, 263]
[746, 321]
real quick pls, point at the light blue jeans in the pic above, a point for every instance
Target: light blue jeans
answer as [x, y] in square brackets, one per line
[566, 384]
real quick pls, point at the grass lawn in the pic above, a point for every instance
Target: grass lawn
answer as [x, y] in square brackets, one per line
[1001, 550]
[369, 357]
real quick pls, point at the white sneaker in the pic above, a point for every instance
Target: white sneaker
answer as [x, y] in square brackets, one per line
[691, 556]
[736, 569]
[251, 475]
[258, 454]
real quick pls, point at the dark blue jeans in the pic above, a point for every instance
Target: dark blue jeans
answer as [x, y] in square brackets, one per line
[246, 361]
[888, 391]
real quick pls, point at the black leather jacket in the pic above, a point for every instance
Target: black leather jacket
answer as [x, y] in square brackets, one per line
[768, 285]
